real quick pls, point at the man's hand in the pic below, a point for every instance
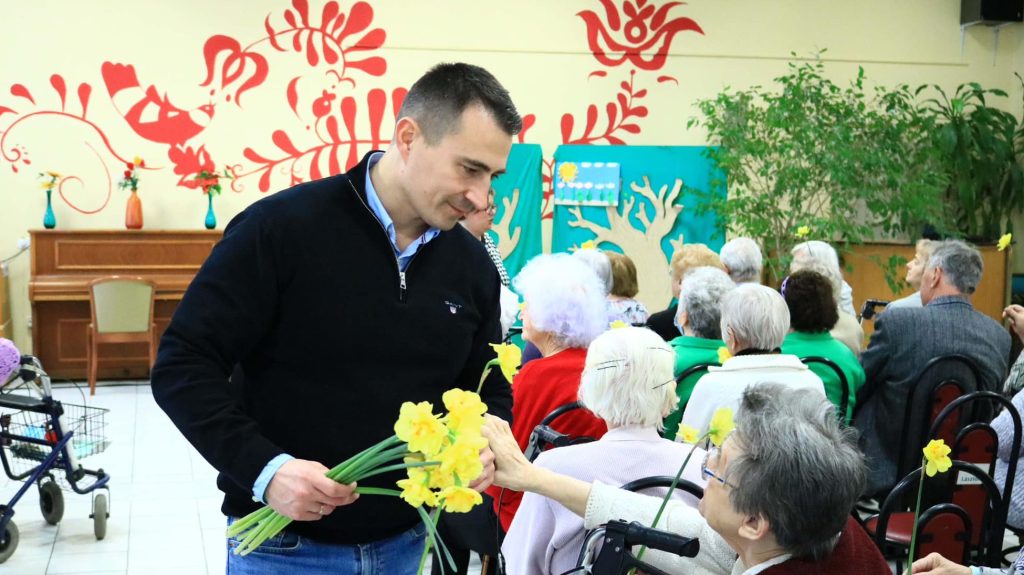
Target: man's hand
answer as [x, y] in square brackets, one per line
[487, 476]
[301, 491]
[935, 564]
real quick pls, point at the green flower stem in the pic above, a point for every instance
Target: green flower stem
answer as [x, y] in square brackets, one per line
[358, 472]
[426, 546]
[339, 469]
[671, 489]
[378, 491]
[917, 513]
[249, 520]
[390, 468]
[433, 537]
[487, 371]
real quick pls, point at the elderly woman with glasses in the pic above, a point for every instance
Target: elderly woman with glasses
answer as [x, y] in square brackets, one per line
[627, 381]
[563, 311]
[778, 497]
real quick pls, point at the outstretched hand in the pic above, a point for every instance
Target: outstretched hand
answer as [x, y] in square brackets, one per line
[935, 564]
[512, 470]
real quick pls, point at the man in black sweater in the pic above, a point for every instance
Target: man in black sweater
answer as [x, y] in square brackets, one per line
[338, 300]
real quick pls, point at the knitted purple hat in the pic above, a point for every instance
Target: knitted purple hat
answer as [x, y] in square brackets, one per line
[10, 358]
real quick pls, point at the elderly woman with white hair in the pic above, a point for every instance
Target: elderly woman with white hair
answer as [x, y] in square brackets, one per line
[778, 498]
[742, 259]
[628, 383]
[699, 320]
[820, 258]
[563, 311]
[755, 321]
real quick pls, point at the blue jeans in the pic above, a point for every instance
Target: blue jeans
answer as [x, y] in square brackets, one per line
[296, 555]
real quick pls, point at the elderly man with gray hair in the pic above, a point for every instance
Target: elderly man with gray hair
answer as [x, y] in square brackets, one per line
[905, 339]
[755, 321]
[742, 259]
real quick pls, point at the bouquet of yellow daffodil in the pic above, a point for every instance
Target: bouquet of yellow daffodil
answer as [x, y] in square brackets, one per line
[936, 460]
[440, 453]
[720, 427]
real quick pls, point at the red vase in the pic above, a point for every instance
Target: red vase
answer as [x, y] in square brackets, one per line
[133, 214]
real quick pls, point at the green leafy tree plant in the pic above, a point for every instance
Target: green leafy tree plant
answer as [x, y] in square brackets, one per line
[806, 155]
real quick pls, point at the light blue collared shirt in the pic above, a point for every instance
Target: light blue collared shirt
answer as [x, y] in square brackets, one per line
[402, 256]
[373, 200]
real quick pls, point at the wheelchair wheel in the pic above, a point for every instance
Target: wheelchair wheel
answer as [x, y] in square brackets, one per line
[8, 541]
[51, 502]
[99, 516]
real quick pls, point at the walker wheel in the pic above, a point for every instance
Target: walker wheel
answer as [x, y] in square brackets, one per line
[51, 502]
[8, 541]
[99, 516]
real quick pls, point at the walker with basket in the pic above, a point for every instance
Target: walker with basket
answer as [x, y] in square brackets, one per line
[42, 442]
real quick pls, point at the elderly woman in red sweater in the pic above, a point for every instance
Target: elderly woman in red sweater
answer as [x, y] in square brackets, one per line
[564, 310]
[778, 497]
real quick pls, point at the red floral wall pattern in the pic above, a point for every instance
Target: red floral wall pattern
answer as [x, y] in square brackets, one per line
[312, 60]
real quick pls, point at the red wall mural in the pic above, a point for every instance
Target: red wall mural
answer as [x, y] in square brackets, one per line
[327, 51]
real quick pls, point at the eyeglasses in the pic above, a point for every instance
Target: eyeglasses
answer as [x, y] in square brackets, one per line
[706, 474]
[491, 209]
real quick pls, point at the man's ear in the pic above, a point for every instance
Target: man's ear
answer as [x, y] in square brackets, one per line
[406, 132]
[754, 528]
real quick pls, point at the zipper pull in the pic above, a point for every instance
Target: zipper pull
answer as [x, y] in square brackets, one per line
[401, 286]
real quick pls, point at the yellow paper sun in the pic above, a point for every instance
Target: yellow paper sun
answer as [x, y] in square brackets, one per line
[567, 172]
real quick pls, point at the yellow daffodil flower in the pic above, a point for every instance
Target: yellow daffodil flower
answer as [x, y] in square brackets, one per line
[1004, 241]
[416, 493]
[724, 355]
[687, 434]
[465, 411]
[588, 245]
[420, 428]
[617, 324]
[803, 231]
[721, 425]
[462, 459]
[509, 359]
[460, 499]
[936, 455]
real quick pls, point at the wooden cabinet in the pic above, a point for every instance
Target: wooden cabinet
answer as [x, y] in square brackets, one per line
[63, 264]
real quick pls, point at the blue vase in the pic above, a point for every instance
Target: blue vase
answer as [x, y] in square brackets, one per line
[49, 220]
[211, 218]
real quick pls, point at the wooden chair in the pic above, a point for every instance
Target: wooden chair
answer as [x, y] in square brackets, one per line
[121, 310]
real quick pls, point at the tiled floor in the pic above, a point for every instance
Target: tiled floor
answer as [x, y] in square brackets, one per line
[164, 505]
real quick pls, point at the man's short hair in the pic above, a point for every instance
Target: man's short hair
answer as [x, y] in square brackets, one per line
[436, 101]
[960, 264]
[742, 256]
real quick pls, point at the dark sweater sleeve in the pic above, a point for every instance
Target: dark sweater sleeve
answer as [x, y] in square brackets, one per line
[496, 391]
[227, 309]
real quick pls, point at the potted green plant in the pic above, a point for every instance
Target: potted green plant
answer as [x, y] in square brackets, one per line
[981, 148]
[809, 159]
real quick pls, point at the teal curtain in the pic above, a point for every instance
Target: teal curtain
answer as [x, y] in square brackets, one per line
[523, 177]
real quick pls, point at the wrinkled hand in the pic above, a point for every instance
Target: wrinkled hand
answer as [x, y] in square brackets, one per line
[935, 564]
[512, 470]
[487, 475]
[1015, 314]
[301, 491]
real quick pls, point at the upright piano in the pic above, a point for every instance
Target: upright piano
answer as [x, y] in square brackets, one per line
[64, 262]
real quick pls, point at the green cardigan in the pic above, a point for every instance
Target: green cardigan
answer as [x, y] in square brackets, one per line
[802, 344]
[690, 351]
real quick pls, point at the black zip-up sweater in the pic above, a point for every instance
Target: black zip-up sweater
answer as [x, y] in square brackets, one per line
[304, 293]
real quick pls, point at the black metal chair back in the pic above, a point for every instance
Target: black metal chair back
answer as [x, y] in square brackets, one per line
[544, 436]
[844, 383]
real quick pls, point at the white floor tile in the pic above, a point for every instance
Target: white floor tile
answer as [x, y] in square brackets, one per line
[66, 563]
